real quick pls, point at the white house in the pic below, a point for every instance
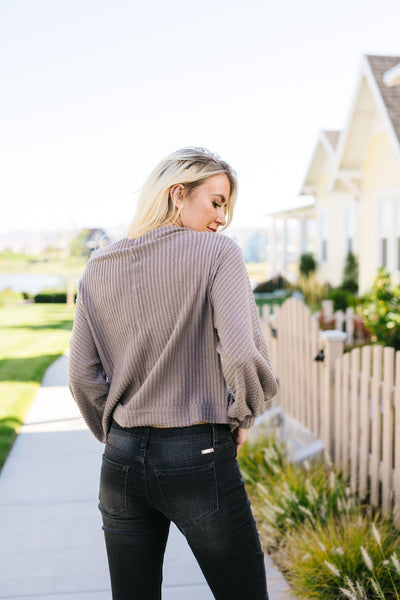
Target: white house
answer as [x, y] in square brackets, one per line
[354, 180]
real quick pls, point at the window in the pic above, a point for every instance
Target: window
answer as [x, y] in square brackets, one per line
[385, 216]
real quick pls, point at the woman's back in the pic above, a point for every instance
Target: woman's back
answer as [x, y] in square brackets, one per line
[147, 306]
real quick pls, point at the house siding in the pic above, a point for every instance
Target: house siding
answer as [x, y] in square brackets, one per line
[381, 180]
[334, 205]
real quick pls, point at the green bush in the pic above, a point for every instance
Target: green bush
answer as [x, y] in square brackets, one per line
[276, 283]
[342, 298]
[307, 264]
[380, 311]
[51, 298]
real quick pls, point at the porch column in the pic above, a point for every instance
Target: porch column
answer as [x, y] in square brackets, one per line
[303, 235]
[284, 246]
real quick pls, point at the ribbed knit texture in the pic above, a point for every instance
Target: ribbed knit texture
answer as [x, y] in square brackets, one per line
[164, 325]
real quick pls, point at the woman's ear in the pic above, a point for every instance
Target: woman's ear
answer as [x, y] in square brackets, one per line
[176, 194]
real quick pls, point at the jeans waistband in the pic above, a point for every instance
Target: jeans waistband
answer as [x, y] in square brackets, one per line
[220, 431]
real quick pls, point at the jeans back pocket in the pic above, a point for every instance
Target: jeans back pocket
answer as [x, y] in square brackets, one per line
[113, 488]
[190, 493]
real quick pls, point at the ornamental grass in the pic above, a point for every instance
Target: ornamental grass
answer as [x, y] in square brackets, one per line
[328, 545]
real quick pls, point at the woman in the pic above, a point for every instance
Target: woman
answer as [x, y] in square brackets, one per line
[169, 367]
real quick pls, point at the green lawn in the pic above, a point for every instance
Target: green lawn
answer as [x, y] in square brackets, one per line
[23, 263]
[32, 336]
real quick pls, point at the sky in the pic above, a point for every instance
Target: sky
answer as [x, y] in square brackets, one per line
[94, 93]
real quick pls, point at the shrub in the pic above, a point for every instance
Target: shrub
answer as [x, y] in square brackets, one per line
[341, 297]
[307, 264]
[380, 311]
[276, 283]
[52, 297]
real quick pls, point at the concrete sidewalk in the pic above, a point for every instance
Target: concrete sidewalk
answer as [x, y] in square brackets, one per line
[52, 544]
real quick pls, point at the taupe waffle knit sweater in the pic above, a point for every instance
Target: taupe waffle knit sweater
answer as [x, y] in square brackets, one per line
[164, 325]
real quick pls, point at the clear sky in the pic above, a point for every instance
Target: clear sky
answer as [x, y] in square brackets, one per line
[95, 92]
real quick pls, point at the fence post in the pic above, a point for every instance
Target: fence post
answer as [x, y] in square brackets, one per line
[333, 345]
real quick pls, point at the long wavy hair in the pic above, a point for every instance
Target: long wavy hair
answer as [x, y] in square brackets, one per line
[189, 167]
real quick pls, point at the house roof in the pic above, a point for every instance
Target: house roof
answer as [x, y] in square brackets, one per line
[374, 99]
[390, 95]
[375, 105]
[307, 210]
[321, 159]
[332, 137]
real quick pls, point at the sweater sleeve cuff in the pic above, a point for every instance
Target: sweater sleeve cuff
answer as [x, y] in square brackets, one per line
[247, 423]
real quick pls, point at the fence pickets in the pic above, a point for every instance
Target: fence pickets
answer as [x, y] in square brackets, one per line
[376, 427]
[354, 408]
[365, 419]
[295, 348]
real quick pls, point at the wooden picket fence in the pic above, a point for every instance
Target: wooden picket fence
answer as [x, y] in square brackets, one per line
[351, 401]
[346, 321]
[293, 339]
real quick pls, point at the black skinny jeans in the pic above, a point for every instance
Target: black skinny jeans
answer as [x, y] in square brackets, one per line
[188, 475]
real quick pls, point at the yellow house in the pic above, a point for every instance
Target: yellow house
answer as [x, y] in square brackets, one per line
[354, 179]
[333, 209]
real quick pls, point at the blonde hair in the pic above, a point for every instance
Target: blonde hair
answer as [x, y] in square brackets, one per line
[189, 167]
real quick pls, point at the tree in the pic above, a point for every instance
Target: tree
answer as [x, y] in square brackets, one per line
[78, 246]
[88, 240]
[307, 264]
[350, 274]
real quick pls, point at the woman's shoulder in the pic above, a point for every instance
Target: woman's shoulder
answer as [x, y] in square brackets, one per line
[219, 241]
[212, 248]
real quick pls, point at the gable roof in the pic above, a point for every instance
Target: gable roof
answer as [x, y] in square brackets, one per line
[323, 156]
[377, 98]
[332, 137]
[375, 104]
[390, 95]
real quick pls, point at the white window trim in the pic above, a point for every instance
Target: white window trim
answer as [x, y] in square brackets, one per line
[392, 195]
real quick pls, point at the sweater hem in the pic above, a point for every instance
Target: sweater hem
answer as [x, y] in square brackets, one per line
[185, 417]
